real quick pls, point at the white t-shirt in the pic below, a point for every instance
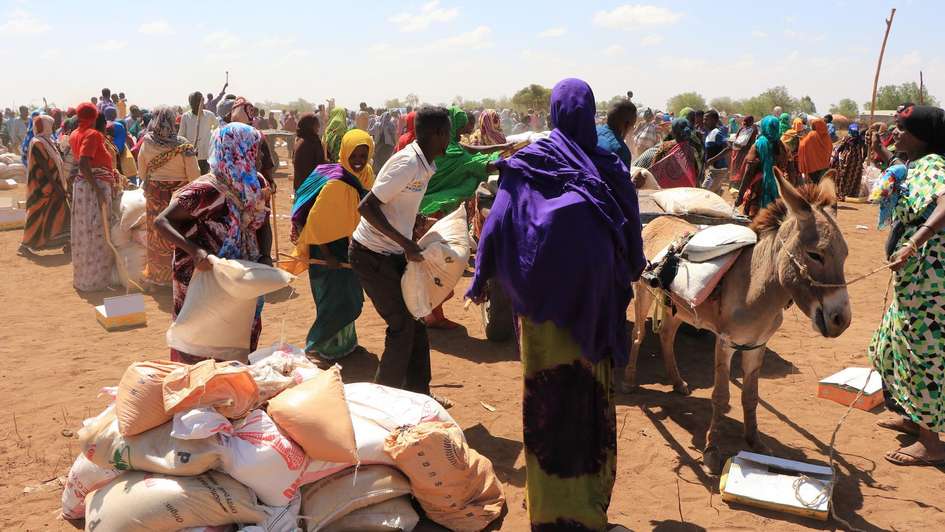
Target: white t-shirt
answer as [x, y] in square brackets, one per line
[199, 137]
[400, 187]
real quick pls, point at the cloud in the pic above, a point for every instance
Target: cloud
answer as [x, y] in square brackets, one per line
[651, 40]
[614, 50]
[911, 59]
[20, 21]
[111, 45]
[632, 16]
[758, 34]
[51, 54]
[221, 40]
[157, 27]
[276, 42]
[552, 33]
[380, 47]
[476, 39]
[802, 36]
[429, 13]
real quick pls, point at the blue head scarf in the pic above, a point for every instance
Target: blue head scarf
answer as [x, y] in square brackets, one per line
[566, 208]
[766, 146]
[119, 135]
[25, 146]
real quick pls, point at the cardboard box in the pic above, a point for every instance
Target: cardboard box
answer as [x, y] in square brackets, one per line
[843, 387]
[796, 488]
[11, 217]
[122, 311]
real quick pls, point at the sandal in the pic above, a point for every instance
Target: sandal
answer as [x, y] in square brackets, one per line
[895, 457]
[912, 430]
[444, 402]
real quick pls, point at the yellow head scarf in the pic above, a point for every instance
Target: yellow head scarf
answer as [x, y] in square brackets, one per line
[334, 215]
[349, 143]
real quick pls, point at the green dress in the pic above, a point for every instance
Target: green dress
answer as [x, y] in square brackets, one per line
[570, 431]
[908, 349]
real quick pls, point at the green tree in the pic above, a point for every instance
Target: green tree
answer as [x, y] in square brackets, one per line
[534, 97]
[686, 99]
[412, 100]
[393, 103]
[889, 97]
[846, 107]
[806, 105]
[724, 104]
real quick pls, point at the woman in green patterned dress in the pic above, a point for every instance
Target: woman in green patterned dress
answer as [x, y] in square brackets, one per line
[908, 349]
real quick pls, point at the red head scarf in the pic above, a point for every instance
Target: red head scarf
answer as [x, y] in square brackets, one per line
[87, 114]
[411, 133]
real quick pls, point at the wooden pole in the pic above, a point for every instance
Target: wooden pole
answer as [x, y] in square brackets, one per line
[921, 89]
[879, 65]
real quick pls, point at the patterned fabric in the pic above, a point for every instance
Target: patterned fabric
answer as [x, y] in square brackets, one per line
[570, 431]
[888, 192]
[489, 132]
[157, 195]
[338, 300]
[675, 168]
[158, 162]
[207, 206]
[740, 149]
[92, 258]
[848, 160]
[232, 161]
[47, 213]
[162, 129]
[908, 349]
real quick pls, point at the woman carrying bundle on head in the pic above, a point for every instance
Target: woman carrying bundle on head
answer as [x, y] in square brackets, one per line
[47, 209]
[334, 131]
[167, 162]
[848, 158]
[224, 213]
[742, 145]
[325, 215]
[759, 186]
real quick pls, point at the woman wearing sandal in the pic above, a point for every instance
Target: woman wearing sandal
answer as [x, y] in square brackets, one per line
[908, 349]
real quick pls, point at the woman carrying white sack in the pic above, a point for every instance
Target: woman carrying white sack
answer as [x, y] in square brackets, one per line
[224, 213]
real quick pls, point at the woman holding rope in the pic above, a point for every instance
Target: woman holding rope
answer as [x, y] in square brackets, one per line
[326, 214]
[94, 189]
[908, 349]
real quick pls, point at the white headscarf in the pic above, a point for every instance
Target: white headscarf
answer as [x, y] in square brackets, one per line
[42, 135]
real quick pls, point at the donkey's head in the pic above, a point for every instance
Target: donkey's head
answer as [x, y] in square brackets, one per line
[811, 252]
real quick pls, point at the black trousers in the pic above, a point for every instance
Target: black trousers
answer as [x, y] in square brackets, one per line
[405, 363]
[204, 166]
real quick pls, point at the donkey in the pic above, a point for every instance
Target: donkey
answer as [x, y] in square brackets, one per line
[798, 258]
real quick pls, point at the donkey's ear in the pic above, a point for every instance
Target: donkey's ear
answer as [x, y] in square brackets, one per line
[828, 188]
[792, 198]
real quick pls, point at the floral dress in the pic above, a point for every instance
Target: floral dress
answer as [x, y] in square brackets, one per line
[908, 349]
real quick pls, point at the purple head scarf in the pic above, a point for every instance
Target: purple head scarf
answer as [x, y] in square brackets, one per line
[564, 234]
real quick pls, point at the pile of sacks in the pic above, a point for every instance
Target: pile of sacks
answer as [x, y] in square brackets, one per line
[11, 167]
[130, 236]
[276, 445]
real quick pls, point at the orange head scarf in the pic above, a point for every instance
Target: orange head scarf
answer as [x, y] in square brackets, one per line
[815, 149]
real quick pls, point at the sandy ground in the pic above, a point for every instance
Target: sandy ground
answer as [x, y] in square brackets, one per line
[56, 358]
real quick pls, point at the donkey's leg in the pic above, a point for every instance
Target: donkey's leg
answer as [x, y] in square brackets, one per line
[751, 368]
[642, 301]
[712, 457]
[668, 347]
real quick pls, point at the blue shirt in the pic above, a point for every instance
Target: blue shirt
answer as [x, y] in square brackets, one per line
[607, 140]
[832, 131]
[715, 142]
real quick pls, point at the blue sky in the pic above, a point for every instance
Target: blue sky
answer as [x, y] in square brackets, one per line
[157, 52]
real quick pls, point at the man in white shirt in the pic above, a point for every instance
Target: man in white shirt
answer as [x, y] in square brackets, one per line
[382, 244]
[198, 131]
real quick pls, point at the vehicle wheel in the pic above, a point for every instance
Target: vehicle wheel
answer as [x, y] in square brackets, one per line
[497, 314]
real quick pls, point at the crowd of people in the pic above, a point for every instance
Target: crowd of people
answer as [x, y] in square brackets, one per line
[368, 183]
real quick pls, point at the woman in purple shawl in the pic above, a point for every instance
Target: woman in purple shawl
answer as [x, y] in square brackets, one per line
[563, 239]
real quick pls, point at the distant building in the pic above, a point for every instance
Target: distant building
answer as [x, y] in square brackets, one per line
[880, 115]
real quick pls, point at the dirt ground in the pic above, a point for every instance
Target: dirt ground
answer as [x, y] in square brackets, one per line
[56, 358]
